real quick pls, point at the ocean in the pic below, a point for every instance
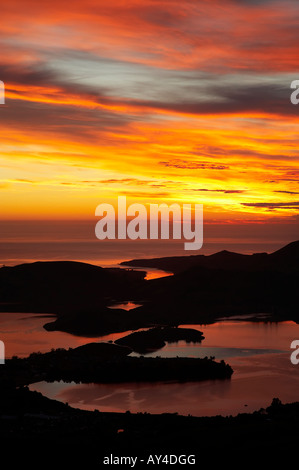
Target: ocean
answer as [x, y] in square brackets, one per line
[29, 241]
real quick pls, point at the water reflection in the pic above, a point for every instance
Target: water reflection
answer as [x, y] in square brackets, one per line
[249, 335]
[255, 382]
[23, 333]
[128, 305]
[151, 273]
[183, 349]
[259, 353]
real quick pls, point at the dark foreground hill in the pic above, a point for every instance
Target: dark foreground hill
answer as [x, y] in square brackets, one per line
[35, 430]
[61, 286]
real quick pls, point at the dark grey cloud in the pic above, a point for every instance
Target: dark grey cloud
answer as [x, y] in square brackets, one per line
[233, 98]
[186, 92]
[73, 122]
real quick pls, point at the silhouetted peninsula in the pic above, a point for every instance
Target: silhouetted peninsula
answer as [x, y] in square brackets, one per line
[109, 363]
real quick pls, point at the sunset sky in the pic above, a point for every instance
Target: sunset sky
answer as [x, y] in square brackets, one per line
[158, 100]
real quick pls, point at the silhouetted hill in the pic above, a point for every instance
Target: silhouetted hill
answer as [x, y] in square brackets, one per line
[219, 285]
[35, 429]
[286, 257]
[225, 284]
[289, 254]
[57, 286]
[202, 289]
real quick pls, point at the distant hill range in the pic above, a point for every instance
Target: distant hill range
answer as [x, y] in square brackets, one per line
[224, 284]
[283, 259]
[202, 289]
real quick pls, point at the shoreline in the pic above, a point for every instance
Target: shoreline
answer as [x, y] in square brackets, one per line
[27, 417]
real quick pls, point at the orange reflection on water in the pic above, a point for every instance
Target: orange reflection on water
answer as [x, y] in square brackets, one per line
[255, 382]
[240, 334]
[23, 333]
